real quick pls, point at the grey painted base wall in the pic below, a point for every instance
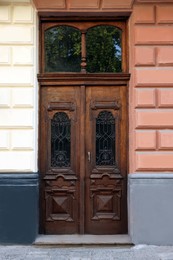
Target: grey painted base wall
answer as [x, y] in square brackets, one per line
[150, 208]
[18, 208]
[150, 203]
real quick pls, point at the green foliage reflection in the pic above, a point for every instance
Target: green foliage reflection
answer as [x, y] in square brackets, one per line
[104, 49]
[62, 49]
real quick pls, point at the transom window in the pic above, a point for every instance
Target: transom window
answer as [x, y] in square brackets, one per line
[97, 49]
[62, 49]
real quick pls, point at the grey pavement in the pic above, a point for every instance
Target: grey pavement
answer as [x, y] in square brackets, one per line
[139, 252]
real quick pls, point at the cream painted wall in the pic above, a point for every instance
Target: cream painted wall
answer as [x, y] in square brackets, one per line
[18, 86]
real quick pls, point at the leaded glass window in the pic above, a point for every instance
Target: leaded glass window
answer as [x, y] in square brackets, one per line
[60, 140]
[105, 139]
[62, 49]
[103, 45]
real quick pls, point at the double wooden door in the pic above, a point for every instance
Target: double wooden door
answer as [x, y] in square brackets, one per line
[83, 144]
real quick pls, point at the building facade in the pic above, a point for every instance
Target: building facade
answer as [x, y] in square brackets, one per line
[133, 193]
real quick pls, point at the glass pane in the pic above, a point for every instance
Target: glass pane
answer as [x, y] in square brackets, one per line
[105, 139]
[104, 49]
[60, 140]
[62, 49]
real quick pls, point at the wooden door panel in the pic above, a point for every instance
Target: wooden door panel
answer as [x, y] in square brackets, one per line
[60, 176]
[89, 199]
[106, 178]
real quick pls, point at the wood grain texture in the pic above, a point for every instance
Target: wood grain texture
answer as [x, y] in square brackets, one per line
[84, 197]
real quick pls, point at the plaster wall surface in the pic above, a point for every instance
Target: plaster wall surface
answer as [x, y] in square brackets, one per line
[150, 210]
[150, 186]
[18, 86]
[151, 87]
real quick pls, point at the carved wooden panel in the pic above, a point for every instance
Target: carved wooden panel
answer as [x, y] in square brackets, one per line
[61, 106]
[60, 200]
[105, 104]
[105, 194]
[59, 165]
[106, 205]
[59, 206]
[105, 173]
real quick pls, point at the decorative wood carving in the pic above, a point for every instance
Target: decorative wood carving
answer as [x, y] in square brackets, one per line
[106, 198]
[60, 181]
[53, 174]
[60, 193]
[111, 171]
[106, 180]
[106, 204]
[60, 205]
[61, 106]
[54, 107]
[106, 105]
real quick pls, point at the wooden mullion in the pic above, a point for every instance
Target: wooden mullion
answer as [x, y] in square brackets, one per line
[83, 52]
[82, 159]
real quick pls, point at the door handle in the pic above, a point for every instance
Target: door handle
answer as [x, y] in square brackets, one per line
[89, 156]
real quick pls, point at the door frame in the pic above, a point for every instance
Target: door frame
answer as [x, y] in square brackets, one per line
[82, 80]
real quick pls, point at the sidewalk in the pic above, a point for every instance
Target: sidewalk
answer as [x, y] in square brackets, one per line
[140, 252]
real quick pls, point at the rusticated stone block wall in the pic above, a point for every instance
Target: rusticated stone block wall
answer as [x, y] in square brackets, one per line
[18, 86]
[151, 87]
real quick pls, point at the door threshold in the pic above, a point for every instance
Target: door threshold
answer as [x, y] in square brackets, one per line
[52, 240]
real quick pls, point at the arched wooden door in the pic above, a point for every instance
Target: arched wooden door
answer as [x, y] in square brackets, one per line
[83, 128]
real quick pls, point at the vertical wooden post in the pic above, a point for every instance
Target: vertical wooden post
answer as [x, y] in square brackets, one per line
[82, 160]
[83, 59]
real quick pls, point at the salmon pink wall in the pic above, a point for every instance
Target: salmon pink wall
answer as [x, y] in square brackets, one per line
[151, 87]
[83, 5]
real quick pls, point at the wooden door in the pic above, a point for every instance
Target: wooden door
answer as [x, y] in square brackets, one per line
[83, 125]
[83, 140]
[59, 159]
[106, 140]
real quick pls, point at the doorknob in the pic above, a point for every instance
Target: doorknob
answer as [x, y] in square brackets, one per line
[89, 156]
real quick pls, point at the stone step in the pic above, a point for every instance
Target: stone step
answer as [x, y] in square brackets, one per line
[116, 240]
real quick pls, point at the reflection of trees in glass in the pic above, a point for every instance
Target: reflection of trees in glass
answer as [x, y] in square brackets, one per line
[104, 49]
[62, 49]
